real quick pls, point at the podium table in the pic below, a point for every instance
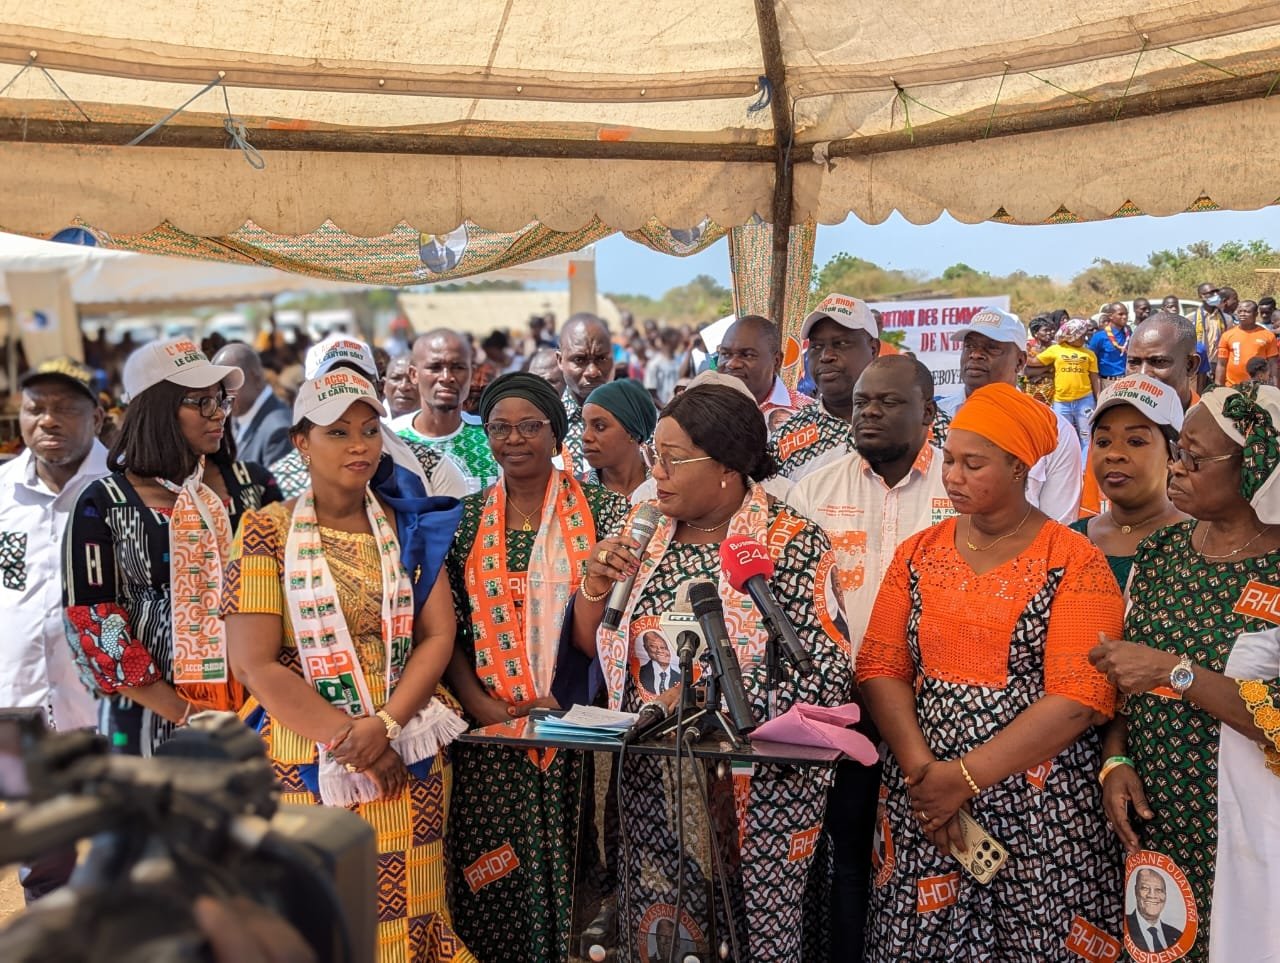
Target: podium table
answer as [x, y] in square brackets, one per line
[648, 923]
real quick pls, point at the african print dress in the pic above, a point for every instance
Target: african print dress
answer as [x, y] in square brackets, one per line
[413, 913]
[779, 809]
[115, 587]
[1209, 611]
[980, 650]
[515, 840]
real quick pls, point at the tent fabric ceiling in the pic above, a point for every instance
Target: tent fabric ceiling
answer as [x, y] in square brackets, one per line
[570, 111]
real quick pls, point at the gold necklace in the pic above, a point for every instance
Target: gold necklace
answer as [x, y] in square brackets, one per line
[968, 535]
[713, 529]
[1138, 524]
[1219, 558]
[528, 516]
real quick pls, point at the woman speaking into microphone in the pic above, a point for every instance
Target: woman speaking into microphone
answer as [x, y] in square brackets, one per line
[709, 456]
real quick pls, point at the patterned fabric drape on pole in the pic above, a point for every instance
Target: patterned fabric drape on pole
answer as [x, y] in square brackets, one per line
[751, 258]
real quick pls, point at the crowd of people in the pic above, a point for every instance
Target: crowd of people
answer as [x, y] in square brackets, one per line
[1054, 595]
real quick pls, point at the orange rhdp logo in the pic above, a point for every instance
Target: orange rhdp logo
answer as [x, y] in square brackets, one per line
[491, 867]
[1091, 943]
[803, 844]
[937, 892]
[1259, 601]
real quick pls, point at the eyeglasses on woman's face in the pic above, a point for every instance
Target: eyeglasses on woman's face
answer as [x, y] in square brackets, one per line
[653, 459]
[210, 405]
[1192, 462]
[528, 429]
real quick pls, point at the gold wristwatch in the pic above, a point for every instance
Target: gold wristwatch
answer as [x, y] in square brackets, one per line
[393, 728]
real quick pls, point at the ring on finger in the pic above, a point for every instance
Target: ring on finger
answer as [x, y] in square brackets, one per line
[602, 556]
[351, 768]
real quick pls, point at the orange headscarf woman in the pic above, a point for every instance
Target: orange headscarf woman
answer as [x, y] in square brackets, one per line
[975, 669]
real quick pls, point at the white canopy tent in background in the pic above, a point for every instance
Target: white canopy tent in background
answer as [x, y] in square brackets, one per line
[509, 112]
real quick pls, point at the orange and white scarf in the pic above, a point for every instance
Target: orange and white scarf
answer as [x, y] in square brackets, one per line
[516, 646]
[328, 654]
[740, 618]
[199, 546]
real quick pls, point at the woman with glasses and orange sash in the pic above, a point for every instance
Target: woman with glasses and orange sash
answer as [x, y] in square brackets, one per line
[1191, 782]
[146, 546]
[516, 561]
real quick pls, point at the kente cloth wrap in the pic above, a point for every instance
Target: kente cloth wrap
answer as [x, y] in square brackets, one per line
[199, 545]
[1010, 420]
[515, 645]
[328, 655]
[1249, 414]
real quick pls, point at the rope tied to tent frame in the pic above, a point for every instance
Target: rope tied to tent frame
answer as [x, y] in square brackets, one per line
[1120, 106]
[31, 62]
[765, 98]
[238, 136]
[999, 90]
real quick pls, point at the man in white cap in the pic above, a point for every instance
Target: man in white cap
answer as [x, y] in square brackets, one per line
[841, 340]
[994, 349]
[439, 474]
[59, 418]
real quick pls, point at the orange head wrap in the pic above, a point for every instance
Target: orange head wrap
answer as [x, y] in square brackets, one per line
[1011, 420]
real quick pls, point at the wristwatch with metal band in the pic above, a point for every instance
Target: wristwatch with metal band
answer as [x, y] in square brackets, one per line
[1182, 675]
[393, 727]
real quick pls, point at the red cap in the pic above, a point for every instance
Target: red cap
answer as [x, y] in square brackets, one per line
[742, 558]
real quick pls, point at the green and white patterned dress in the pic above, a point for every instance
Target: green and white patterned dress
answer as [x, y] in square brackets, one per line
[1183, 603]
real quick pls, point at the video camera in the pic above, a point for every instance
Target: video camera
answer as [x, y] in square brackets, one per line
[201, 818]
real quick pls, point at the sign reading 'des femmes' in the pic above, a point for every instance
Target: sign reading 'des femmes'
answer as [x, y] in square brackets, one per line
[928, 328]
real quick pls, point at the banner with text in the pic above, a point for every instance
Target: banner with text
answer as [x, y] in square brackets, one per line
[928, 327]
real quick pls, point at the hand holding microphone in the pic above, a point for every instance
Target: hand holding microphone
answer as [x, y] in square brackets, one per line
[748, 568]
[618, 560]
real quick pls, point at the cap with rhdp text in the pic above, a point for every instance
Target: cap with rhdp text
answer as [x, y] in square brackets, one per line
[995, 324]
[851, 313]
[67, 370]
[337, 349]
[325, 399]
[1151, 397]
[179, 361]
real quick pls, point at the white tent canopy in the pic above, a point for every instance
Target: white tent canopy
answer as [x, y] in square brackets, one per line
[510, 111]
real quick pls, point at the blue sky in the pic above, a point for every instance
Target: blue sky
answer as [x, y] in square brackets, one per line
[1059, 250]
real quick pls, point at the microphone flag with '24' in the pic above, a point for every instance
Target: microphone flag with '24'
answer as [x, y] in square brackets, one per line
[643, 525]
[748, 568]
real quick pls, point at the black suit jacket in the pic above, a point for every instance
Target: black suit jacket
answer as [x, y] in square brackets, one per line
[266, 439]
[1141, 938]
[649, 676]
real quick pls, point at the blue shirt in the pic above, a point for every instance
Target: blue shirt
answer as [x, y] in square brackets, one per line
[1110, 358]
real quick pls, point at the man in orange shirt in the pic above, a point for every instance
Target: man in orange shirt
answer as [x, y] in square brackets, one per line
[1240, 344]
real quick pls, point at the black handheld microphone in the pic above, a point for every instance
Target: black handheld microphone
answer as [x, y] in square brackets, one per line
[709, 611]
[748, 567]
[650, 717]
[643, 525]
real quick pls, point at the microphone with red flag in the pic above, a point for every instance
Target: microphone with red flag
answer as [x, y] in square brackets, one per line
[748, 568]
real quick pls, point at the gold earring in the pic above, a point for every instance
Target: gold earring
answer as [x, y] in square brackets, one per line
[723, 483]
[306, 460]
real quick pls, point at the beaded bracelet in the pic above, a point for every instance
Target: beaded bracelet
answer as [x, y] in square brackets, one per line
[973, 786]
[587, 596]
[1112, 764]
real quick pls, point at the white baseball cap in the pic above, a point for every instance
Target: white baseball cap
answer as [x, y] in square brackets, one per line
[325, 399]
[1152, 398]
[851, 313]
[997, 325]
[178, 360]
[336, 349]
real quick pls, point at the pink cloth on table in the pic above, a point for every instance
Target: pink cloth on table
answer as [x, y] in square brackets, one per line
[823, 726]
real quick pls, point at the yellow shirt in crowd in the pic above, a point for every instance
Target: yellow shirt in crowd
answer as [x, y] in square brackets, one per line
[1071, 368]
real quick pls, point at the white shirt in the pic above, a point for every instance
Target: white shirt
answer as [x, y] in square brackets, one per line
[866, 522]
[1055, 481]
[244, 421]
[36, 667]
